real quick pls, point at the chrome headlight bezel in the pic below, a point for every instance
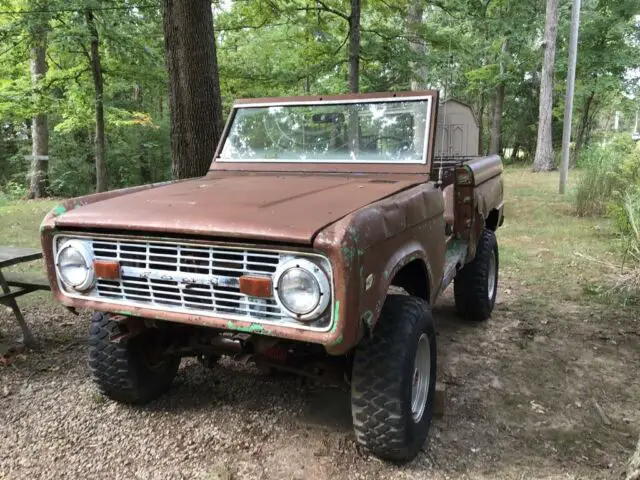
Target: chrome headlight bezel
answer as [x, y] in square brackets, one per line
[84, 249]
[318, 275]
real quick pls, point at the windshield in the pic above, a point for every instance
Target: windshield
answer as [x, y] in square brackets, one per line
[388, 131]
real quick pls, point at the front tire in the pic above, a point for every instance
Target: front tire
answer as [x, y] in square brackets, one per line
[476, 285]
[394, 379]
[132, 370]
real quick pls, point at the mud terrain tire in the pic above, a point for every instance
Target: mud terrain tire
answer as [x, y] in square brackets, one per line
[384, 376]
[122, 371]
[475, 286]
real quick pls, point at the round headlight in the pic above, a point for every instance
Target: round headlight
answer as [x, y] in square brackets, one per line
[302, 289]
[74, 265]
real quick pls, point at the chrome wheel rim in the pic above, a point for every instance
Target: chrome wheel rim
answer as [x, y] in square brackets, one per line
[491, 277]
[420, 380]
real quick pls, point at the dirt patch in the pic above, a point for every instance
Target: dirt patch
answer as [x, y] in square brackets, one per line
[521, 391]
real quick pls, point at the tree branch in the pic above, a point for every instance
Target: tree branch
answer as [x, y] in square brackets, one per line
[264, 24]
[343, 42]
[53, 61]
[51, 82]
[326, 8]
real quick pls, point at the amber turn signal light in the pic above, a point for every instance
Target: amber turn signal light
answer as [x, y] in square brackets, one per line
[106, 269]
[256, 286]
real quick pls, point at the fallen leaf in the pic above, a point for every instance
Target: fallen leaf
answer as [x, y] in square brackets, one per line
[536, 407]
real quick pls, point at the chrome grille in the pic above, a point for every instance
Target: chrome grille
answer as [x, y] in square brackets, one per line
[187, 277]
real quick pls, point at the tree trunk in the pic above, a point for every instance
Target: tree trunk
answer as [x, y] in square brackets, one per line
[496, 120]
[591, 122]
[481, 126]
[39, 178]
[416, 45]
[514, 152]
[544, 148]
[498, 102]
[354, 47]
[194, 87]
[582, 129]
[96, 70]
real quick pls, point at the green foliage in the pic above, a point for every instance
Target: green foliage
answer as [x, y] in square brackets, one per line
[610, 184]
[294, 47]
[13, 190]
[131, 49]
[608, 172]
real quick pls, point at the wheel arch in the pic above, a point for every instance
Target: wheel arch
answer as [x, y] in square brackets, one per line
[409, 270]
[414, 279]
[493, 220]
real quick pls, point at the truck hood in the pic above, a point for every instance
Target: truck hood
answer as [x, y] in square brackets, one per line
[247, 205]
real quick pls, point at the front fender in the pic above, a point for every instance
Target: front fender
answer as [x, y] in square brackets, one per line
[405, 255]
[369, 247]
[423, 243]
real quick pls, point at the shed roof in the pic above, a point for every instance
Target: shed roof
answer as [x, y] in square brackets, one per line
[466, 105]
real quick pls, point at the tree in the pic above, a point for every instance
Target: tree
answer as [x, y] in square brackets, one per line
[415, 12]
[96, 70]
[605, 26]
[194, 89]
[498, 100]
[272, 48]
[354, 47]
[544, 148]
[38, 181]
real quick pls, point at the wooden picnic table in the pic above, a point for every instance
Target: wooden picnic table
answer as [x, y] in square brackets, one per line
[10, 256]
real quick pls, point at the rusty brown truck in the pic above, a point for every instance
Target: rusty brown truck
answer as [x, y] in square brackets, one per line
[323, 232]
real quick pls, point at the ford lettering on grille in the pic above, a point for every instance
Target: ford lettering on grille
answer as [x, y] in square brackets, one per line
[186, 276]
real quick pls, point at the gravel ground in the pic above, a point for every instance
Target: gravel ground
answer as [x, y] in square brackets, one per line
[520, 404]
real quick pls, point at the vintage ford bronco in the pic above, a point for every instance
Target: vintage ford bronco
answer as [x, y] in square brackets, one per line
[322, 233]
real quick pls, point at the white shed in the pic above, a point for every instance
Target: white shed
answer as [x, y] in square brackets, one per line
[457, 130]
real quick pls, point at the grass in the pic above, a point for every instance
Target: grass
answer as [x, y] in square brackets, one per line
[20, 227]
[20, 221]
[543, 242]
[539, 241]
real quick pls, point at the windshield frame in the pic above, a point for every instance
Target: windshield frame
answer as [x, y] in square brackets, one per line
[346, 165]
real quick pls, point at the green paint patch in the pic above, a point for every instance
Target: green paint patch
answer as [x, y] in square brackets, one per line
[336, 316]
[367, 318]
[59, 210]
[252, 328]
[379, 305]
[354, 234]
[349, 254]
[337, 341]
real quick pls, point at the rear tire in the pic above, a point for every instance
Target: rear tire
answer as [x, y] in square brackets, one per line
[476, 285]
[391, 393]
[129, 371]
